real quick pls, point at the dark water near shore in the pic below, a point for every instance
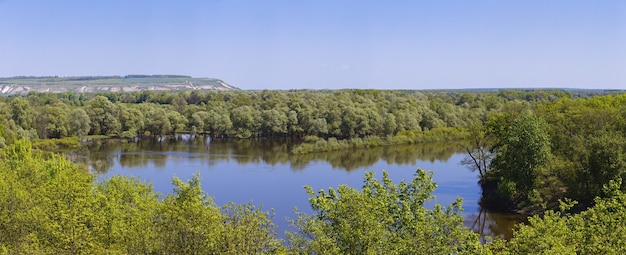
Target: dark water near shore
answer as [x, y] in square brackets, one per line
[263, 172]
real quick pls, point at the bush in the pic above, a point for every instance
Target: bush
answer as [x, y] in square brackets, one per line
[382, 218]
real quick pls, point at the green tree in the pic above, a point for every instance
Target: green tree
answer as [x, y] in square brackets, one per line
[354, 122]
[274, 123]
[249, 230]
[197, 121]
[103, 116]
[245, 120]
[127, 212]
[79, 122]
[407, 120]
[604, 160]
[158, 122]
[52, 121]
[177, 121]
[319, 127]
[376, 123]
[191, 223]
[390, 126]
[218, 123]
[132, 120]
[45, 203]
[22, 113]
[599, 230]
[382, 218]
[334, 122]
[430, 119]
[178, 102]
[521, 151]
[292, 123]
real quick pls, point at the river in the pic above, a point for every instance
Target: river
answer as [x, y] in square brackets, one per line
[263, 172]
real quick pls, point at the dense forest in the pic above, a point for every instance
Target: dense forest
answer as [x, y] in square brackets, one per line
[338, 114]
[559, 155]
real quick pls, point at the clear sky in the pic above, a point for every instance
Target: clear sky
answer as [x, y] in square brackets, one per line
[293, 44]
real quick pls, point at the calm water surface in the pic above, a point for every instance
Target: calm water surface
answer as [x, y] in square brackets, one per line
[263, 172]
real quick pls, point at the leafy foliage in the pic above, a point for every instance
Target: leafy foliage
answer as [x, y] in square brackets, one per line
[59, 219]
[599, 230]
[343, 114]
[522, 149]
[49, 205]
[382, 218]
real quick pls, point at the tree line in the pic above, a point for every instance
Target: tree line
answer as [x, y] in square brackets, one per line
[340, 114]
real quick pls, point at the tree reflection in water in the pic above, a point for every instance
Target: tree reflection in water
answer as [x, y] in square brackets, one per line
[488, 224]
[100, 155]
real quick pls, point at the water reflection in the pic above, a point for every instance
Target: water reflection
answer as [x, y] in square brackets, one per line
[492, 224]
[100, 155]
[236, 163]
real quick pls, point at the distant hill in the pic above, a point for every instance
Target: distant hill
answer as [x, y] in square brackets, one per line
[91, 84]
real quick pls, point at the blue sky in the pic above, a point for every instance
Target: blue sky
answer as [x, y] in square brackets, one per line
[255, 44]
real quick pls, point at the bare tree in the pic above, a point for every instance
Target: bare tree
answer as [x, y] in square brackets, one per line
[478, 157]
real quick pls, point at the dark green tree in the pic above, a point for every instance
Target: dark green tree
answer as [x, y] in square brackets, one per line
[52, 121]
[521, 151]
